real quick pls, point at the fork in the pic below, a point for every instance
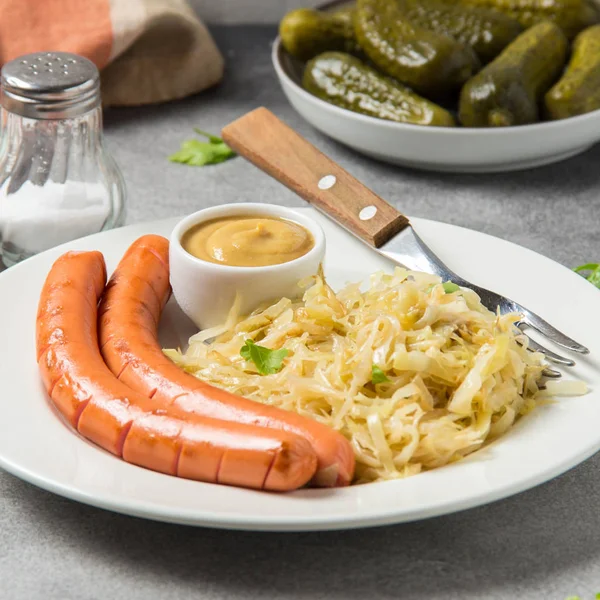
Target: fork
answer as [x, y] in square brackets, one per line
[279, 151]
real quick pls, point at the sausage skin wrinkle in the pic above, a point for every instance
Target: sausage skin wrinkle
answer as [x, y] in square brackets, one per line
[130, 311]
[143, 430]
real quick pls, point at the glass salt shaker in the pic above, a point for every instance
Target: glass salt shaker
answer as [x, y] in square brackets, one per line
[57, 180]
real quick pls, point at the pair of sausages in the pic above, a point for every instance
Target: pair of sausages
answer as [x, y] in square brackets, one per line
[106, 373]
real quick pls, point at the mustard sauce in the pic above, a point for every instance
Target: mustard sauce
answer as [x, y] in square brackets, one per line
[247, 241]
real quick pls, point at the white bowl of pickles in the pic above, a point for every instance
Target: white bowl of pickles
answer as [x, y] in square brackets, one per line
[447, 85]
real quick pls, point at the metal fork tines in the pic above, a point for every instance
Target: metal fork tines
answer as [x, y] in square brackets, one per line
[410, 250]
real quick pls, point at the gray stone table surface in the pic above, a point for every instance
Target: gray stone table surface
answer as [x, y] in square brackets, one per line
[544, 543]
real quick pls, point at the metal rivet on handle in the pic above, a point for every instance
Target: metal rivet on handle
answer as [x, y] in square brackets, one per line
[368, 212]
[327, 182]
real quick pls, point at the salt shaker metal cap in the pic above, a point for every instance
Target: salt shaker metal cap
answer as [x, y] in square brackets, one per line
[58, 181]
[50, 85]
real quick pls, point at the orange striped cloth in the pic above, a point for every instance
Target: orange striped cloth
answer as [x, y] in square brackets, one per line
[148, 50]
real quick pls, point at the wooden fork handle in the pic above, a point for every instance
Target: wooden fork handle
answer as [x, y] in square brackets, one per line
[279, 151]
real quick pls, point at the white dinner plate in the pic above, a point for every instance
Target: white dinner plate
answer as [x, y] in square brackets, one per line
[453, 149]
[36, 445]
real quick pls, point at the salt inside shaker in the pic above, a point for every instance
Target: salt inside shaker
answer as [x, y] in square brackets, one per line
[57, 180]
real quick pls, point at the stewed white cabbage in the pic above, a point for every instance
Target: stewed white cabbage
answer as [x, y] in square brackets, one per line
[413, 372]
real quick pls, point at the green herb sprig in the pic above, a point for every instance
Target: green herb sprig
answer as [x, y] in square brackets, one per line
[594, 276]
[450, 287]
[377, 375]
[198, 153]
[267, 361]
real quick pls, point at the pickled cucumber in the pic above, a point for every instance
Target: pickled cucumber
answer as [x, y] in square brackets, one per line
[345, 12]
[347, 82]
[487, 31]
[306, 33]
[431, 63]
[570, 15]
[578, 91]
[509, 90]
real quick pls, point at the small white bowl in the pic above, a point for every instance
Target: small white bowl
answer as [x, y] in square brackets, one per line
[453, 149]
[205, 291]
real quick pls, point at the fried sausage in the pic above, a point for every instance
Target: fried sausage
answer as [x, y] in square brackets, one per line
[133, 426]
[130, 311]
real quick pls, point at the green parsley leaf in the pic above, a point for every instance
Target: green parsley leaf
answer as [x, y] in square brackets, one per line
[213, 139]
[594, 276]
[597, 596]
[197, 153]
[450, 287]
[267, 361]
[377, 375]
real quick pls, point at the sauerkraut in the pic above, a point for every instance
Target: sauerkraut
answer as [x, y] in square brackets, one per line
[415, 373]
